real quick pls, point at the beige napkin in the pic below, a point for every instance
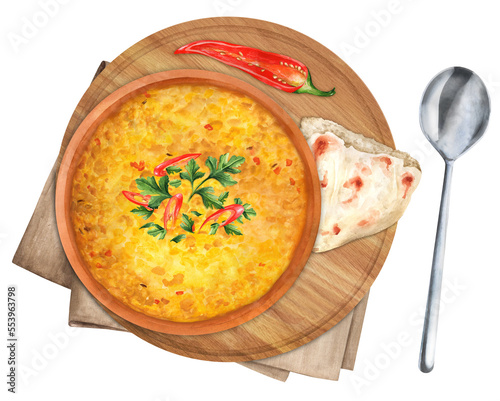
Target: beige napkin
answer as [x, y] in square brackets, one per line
[41, 252]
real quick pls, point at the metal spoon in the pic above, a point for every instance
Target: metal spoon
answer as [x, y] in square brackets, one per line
[454, 113]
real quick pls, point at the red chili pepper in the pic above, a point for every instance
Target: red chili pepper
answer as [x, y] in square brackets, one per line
[235, 210]
[157, 301]
[179, 292]
[256, 160]
[160, 171]
[168, 215]
[139, 166]
[147, 94]
[279, 71]
[262, 264]
[98, 265]
[92, 254]
[288, 162]
[97, 141]
[131, 197]
[277, 170]
[292, 181]
[108, 253]
[208, 127]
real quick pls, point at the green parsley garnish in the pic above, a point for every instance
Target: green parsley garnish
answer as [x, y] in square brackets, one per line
[231, 229]
[178, 238]
[213, 228]
[156, 230]
[219, 171]
[158, 190]
[187, 223]
[173, 170]
[142, 211]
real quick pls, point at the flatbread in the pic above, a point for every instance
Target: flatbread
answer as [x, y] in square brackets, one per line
[365, 185]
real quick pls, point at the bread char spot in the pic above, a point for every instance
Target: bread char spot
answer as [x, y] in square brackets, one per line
[322, 144]
[407, 181]
[365, 170]
[371, 219]
[324, 181]
[335, 230]
[355, 183]
[387, 161]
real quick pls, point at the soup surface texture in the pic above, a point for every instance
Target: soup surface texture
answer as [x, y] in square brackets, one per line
[176, 271]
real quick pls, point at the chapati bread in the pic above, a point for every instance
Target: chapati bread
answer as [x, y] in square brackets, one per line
[365, 185]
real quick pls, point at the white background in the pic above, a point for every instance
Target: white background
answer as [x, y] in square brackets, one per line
[43, 80]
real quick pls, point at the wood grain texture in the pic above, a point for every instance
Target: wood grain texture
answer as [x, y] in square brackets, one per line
[331, 283]
[72, 159]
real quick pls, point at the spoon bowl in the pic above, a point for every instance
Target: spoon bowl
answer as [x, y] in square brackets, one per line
[454, 113]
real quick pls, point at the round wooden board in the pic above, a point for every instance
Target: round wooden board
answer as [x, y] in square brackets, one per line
[332, 283]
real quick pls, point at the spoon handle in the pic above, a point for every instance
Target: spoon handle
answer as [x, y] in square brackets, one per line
[428, 347]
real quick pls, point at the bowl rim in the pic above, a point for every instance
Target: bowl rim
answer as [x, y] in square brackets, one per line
[76, 148]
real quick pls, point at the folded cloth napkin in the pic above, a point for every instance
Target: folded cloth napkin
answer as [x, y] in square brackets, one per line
[322, 357]
[40, 251]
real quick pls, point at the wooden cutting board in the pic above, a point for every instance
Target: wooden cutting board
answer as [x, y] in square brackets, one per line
[331, 283]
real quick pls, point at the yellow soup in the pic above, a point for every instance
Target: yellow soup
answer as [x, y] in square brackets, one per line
[179, 272]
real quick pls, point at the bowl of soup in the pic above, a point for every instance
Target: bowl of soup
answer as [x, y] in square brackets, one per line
[188, 202]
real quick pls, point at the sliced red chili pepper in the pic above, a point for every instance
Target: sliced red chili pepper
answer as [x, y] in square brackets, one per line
[262, 264]
[92, 254]
[277, 170]
[98, 265]
[256, 160]
[172, 215]
[235, 210]
[108, 253]
[208, 127]
[132, 195]
[157, 301]
[288, 162]
[147, 94]
[160, 171]
[277, 70]
[179, 292]
[292, 181]
[97, 141]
